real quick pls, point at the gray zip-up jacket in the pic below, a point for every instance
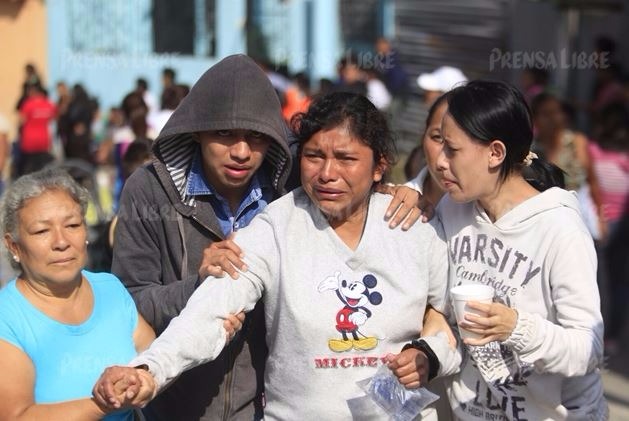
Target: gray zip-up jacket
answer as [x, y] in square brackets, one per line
[162, 232]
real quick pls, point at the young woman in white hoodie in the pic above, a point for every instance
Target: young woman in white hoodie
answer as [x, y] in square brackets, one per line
[507, 227]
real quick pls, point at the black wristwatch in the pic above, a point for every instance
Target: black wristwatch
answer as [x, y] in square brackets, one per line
[433, 361]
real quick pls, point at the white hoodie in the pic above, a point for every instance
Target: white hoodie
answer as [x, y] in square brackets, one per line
[540, 259]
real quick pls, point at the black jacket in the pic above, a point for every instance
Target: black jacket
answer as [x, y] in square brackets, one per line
[161, 234]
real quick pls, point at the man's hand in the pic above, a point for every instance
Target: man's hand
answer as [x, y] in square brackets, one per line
[406, 207]
[233, 323]
[410, 366]
[220, 258]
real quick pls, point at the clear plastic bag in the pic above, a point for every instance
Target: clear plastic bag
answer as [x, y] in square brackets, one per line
[400, 403]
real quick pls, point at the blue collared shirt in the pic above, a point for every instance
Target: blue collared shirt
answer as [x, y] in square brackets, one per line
[258, 195]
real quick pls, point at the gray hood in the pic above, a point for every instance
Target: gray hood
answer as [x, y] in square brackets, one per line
[233, 94]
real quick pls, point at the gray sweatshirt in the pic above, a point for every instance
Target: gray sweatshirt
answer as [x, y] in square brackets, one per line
[332, 314]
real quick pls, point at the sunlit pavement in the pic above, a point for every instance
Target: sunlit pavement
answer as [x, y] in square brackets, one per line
[617, 394]
[616, 381]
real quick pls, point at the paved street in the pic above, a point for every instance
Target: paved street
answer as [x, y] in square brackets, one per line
[616, 380]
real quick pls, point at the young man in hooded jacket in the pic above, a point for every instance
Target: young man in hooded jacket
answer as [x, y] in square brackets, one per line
[222, 156]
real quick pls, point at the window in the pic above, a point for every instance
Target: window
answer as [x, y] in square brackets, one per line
[140, 27]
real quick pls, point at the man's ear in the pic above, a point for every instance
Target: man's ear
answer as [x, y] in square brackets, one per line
[497, 153]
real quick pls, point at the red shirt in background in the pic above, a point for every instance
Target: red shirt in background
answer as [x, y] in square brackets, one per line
[37, 112]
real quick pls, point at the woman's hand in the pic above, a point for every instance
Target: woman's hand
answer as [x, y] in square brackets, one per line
[220, 258]
[406, 207]
[410, 366]
[124, 387]
[233, 323]
[497, 324]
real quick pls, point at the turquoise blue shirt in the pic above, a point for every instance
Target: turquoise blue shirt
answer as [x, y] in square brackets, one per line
[258, 195]
[68, 359]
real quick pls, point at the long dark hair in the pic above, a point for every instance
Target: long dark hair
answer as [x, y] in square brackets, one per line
[491, 110]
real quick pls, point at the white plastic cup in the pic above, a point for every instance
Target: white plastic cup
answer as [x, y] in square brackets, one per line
[469, 292]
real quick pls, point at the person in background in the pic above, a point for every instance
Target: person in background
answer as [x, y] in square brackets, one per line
[607, 87]
[350, 76]
[534, 81]
[567, 149]
[377, 91]
[31, 78]
[424, 155]
[415, 161]
[142, 88]
[297, 97]
[4, 148]
[133, 108]
[610, 162]
[114, 123]
[435, 84]
[171, 98]
[169, 78]
[36, 114]
[393, 73]
[138, 154]
[64, 99]
[79, 117]
[57, 327]
[439, 82]
[429, 180]
[325, 87]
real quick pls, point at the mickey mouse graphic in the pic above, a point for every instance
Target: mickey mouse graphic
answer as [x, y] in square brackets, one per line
[355, 296]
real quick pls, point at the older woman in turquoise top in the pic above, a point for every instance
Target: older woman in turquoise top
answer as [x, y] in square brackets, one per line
[60, 326]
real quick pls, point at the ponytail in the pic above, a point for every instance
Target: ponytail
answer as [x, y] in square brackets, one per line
[543, 175]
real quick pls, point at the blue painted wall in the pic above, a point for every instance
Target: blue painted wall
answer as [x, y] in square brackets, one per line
[110, 75]
[108, 60]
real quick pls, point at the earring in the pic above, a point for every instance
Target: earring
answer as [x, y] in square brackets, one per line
[87, 242]
[17, 259]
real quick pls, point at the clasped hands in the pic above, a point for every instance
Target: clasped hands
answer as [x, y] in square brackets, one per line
[133, 387]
